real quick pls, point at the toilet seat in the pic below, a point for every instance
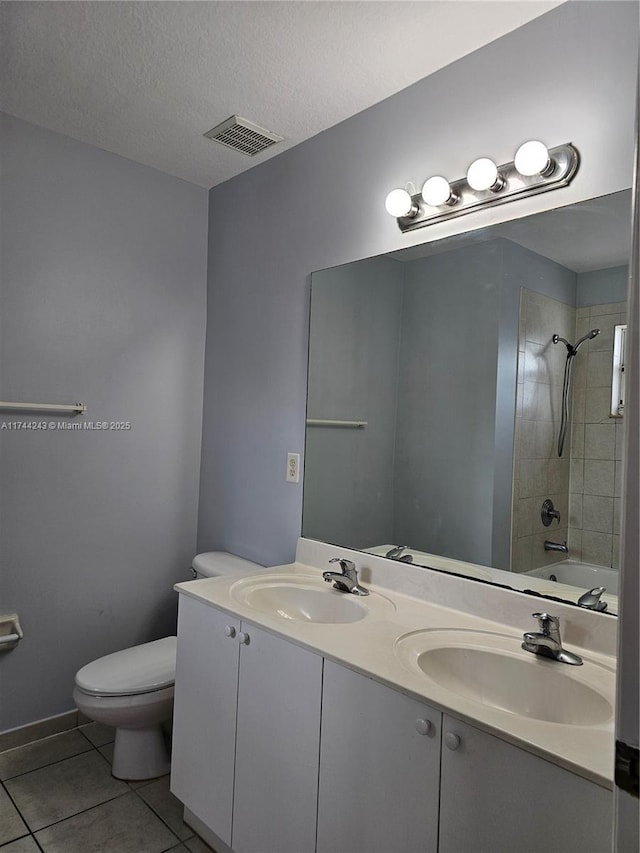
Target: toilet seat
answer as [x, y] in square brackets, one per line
[147, 668]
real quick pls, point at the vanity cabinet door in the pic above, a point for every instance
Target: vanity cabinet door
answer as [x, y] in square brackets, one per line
[497, 798]
[379, 768]
[277, 745]
[204, 722]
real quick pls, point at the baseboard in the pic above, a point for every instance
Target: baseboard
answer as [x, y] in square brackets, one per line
[35, 731]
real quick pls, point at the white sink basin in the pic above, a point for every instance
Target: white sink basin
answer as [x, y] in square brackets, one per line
[306, 599]
[492, 670]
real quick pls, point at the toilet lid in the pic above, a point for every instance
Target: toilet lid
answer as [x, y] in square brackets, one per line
[139, 669]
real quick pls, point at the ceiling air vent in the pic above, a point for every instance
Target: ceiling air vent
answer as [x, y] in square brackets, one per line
[243, 135]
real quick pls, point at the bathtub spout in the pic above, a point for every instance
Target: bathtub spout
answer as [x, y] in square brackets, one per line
[556, 546]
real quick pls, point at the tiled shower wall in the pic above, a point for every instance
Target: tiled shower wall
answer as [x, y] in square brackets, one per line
[538, 471]
[596, 443]
[585, 483]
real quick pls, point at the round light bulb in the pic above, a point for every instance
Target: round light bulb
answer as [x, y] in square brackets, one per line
[532, 158]
[399, 203]
[482, 174]
[437, 191]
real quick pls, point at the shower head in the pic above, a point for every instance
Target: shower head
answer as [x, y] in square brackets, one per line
[573, 349]
[589, 336]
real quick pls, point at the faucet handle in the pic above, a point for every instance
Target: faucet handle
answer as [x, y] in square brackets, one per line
[345, 565]
[547, 623]
[591, 599]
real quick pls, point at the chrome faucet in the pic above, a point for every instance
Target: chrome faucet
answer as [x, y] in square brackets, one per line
[346, 580]
[591, 599]
[556, 546]
[547, 642]
[395, 552]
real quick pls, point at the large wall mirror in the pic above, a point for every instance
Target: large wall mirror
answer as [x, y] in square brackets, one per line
[436, 399]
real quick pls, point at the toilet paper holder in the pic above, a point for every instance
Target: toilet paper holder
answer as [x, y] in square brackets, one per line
[10, 631]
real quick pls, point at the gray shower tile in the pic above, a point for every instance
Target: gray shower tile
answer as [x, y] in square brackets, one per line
[616, 552]
[599, 441]
[11, 824]
[558, 475]
[22, 845]
[608, 308]
[577, 441]
[578, 406]
[576, 479]
[521, 559]
[597, 405]
[574, 541]
[527, 435]
[620, 437]
[548, 402]
[599, 477]
[604, 341]
[599, 367]
[617, 516]
[575, 511]
[597, 513]
[525, 516]
[619, 478]
[530, 400]
[98, 734]
[123, 825]
[544, 439]
[31, 756]
[597, 548]
[158, 796]
[60, 790]
[585, 311]
[579, 371]
[533, 477]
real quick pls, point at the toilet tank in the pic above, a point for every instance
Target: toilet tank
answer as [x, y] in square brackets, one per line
[212, 564]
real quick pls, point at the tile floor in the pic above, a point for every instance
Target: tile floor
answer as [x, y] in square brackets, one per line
[57, 795]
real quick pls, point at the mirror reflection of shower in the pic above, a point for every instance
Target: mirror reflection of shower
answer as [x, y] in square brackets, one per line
[572, 350]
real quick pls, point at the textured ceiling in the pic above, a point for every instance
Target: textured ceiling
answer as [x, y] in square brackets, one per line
[146, 79]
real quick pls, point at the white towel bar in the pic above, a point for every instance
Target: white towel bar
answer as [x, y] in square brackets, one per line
[76, 408]
[319, 422]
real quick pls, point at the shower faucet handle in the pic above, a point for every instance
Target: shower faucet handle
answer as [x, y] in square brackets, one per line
[549, 512]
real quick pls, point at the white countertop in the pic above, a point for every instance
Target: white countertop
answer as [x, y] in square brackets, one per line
[367, 646]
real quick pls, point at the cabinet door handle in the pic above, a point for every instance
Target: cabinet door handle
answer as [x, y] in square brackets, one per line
[451, 740]
[423, 727]
[243, 638]
[229, 631]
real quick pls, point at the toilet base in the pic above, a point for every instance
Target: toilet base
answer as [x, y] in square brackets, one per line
[140, 750]
[140, 753]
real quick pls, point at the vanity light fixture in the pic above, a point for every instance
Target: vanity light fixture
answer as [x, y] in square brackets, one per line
[399, 203]
[436, 191]
[532, 158]
[483, 174]
[535, 169]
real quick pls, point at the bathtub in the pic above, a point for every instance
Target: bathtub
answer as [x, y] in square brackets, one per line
[584, 575]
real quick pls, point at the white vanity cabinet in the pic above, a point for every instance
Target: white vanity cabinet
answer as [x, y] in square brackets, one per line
[379, 768]
[246, 732]
[278, 751]
[204, 714]
[497, 798]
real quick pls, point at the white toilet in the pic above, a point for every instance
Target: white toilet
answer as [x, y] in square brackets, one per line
[132, 689]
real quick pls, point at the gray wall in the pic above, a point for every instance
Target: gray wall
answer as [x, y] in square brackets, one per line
[353, 357]
[446, 403]
[602, 286]
[102, 300]
[321, 204]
